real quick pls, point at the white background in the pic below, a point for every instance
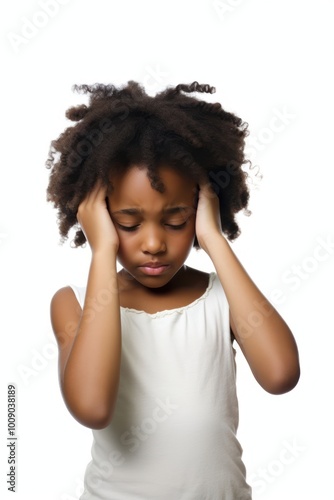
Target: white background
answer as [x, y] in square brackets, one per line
[266, 60]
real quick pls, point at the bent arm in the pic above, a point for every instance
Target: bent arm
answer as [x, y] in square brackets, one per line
[263, 336]
[90, 353]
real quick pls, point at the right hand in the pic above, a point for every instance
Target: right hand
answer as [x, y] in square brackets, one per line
[95, 221]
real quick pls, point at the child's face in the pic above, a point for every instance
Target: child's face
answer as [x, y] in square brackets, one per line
[156, 230]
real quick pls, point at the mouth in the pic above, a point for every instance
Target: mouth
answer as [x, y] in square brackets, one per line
[153, 268]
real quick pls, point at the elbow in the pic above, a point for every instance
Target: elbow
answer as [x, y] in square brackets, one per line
[91, 416]
[100, 420]
[89, 412]
[96, 423]
[282, 380]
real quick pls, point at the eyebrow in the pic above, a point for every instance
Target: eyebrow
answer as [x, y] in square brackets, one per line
[168, 211]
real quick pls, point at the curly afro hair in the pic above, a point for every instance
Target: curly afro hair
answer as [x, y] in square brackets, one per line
[124, 126]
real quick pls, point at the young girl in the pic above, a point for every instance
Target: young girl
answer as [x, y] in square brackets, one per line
[146, 356]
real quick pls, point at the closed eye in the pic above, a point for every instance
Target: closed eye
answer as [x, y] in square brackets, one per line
[127, 228]
[175, 227]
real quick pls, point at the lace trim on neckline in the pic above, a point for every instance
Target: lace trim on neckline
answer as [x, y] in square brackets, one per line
[178, 310]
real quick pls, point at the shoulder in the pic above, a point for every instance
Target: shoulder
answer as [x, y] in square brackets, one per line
[65, 312]
[63, 295]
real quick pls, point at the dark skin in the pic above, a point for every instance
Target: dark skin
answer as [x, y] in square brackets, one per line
[140, 228]
[162, 230]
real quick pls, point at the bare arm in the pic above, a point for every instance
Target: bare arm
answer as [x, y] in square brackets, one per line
[263, 336]
[90, 353]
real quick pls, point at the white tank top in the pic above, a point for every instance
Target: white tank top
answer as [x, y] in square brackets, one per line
[173, 432]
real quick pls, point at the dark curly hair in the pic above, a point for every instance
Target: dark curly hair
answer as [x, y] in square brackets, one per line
[124, 126]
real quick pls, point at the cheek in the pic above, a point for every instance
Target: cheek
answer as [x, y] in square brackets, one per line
[126, 244]
[192, 229]
[184, 243]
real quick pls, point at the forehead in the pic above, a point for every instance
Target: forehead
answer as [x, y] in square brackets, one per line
[134, 188]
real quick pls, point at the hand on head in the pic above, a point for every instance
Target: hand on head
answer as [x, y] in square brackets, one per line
[95, 221]
[208, 222]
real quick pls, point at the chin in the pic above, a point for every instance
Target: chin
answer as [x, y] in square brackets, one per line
[154, 281]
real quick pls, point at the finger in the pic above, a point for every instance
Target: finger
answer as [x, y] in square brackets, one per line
[89, 197]
[207, 190]
[205, 184]
[101, 192]
[87, 201]
[97, 193]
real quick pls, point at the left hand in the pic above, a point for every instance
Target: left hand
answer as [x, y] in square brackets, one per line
[208, 221]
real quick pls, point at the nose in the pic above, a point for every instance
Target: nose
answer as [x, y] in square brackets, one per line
[153, 240]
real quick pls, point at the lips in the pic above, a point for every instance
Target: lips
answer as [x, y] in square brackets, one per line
[153, 268]
[153, 264]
